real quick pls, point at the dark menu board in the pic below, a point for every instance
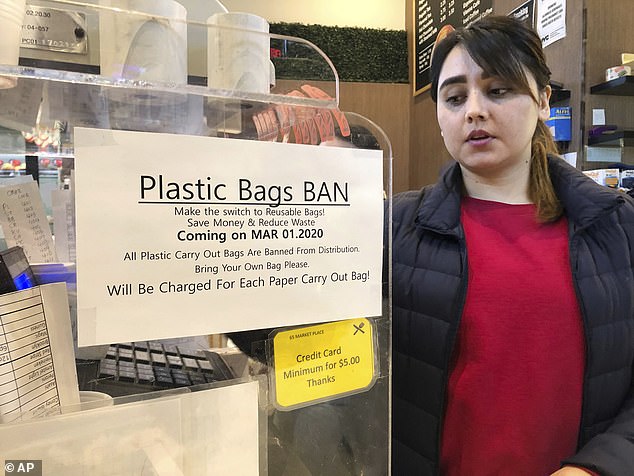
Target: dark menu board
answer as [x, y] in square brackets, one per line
[429, 18]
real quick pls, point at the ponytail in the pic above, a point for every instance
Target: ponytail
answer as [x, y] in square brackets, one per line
[540, 188]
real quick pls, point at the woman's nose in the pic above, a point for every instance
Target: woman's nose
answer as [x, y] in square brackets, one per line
[475, 108]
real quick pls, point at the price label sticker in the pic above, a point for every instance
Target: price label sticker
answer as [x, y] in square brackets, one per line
[322, 362]
[54, 30]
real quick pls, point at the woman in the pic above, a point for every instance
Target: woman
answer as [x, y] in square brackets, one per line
[513, 284]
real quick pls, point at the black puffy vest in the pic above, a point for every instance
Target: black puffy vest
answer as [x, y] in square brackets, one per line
[429, 288]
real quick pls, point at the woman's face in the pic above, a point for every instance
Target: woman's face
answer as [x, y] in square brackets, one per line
[487, 124]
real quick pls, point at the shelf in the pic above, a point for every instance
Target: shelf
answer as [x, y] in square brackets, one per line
[617, 139]
[623, 86]
[75, 99]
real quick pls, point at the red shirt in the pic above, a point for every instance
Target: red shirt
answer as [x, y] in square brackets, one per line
[514, 394]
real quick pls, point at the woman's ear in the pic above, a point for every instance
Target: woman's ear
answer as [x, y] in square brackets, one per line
[544, 103]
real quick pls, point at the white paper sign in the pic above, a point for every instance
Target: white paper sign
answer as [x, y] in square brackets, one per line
[551, 21]
[183, 235]
[37, 363]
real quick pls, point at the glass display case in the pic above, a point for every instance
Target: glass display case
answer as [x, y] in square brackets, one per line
[174, 136]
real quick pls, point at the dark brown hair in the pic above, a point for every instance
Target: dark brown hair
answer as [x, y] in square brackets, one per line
[506, 48]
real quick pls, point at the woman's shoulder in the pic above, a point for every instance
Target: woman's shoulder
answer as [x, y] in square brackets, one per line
[629, 203]
[409, 201]
[411, 196]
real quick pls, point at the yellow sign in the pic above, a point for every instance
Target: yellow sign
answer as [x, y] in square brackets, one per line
[320, 362]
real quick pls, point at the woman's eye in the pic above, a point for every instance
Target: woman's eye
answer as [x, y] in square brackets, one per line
[498, 92]
[454, 100]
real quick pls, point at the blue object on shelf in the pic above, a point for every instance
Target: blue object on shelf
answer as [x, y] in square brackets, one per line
[560, 123]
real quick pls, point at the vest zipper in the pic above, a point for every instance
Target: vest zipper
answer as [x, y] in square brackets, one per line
[450, 348]
[573, 258]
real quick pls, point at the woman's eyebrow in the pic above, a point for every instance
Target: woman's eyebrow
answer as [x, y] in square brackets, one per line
[460, 79]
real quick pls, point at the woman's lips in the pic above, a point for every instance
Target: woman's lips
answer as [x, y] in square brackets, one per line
[479, 138]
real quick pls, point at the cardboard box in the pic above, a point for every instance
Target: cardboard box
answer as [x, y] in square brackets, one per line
[617, 72]
[607, 177]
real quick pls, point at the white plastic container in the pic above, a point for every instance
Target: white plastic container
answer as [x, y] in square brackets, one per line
[149, 45]
[238, 53]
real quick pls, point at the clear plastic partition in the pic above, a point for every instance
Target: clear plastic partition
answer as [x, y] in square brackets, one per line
[250, 396]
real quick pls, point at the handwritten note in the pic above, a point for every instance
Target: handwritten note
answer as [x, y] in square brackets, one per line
[24, 222]
[64, 224]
